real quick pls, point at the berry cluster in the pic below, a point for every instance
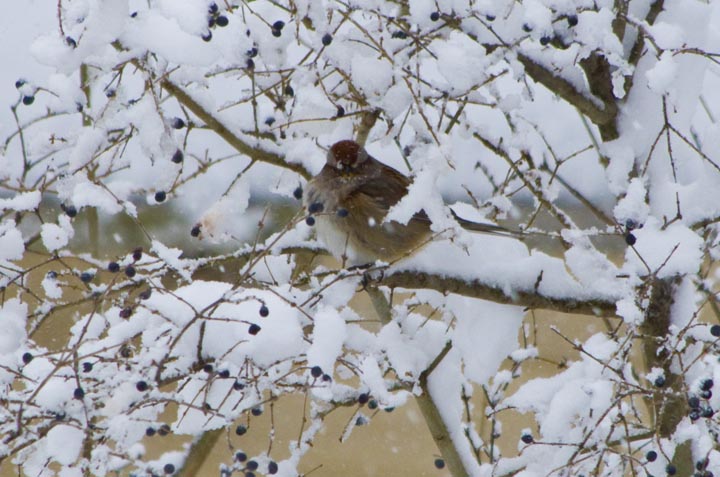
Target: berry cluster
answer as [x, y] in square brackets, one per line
[631, 225]
[699, 404]
[215, 18]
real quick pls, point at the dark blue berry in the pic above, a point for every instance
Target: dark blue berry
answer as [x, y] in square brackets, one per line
[252, 465]
[177, 123]
[78, 393]
[659, 381]
[27, 357]
[630, 239]
[71, 211]
[527, 438]
[160, 196]
[272, 467]
[256, 411]
[87, 367]
[240, 456]
[169, 468]
[141, 386]
[315, 207]
[254, 329]
[150, 431]
[86, 277]
[327, 39]
[298, 193]
[130, 271]
[177, 158]
[278, 25]
[651, 456]
[715, 330]
[222, 21]
[264, 311]
[195, 231]
[126, 313]
[310, 221]
[439, 463]
[114, 267]
[435, 16]
[707, 385]
[316, 371]
[28, 100]
[240, 430]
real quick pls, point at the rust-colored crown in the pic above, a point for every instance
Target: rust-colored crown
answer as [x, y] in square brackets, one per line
[346, 152]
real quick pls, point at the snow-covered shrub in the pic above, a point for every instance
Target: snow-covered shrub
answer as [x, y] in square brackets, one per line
[606, 108]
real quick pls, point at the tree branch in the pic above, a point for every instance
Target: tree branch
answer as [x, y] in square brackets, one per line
[254, 153]
[602, 117]
[601, 307]
[184, 98]
[430, 411]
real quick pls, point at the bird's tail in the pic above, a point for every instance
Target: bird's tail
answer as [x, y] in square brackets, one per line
[488, 228]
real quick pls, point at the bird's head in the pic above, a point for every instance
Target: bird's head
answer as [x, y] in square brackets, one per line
[346, 156]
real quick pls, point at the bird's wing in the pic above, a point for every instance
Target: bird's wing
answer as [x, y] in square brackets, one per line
[384, 189]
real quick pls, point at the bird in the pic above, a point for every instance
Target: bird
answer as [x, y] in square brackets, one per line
[347, 202]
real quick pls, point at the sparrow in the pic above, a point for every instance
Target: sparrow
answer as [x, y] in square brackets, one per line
[349, 199]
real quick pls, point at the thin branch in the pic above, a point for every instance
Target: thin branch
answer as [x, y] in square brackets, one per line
[254, 153]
